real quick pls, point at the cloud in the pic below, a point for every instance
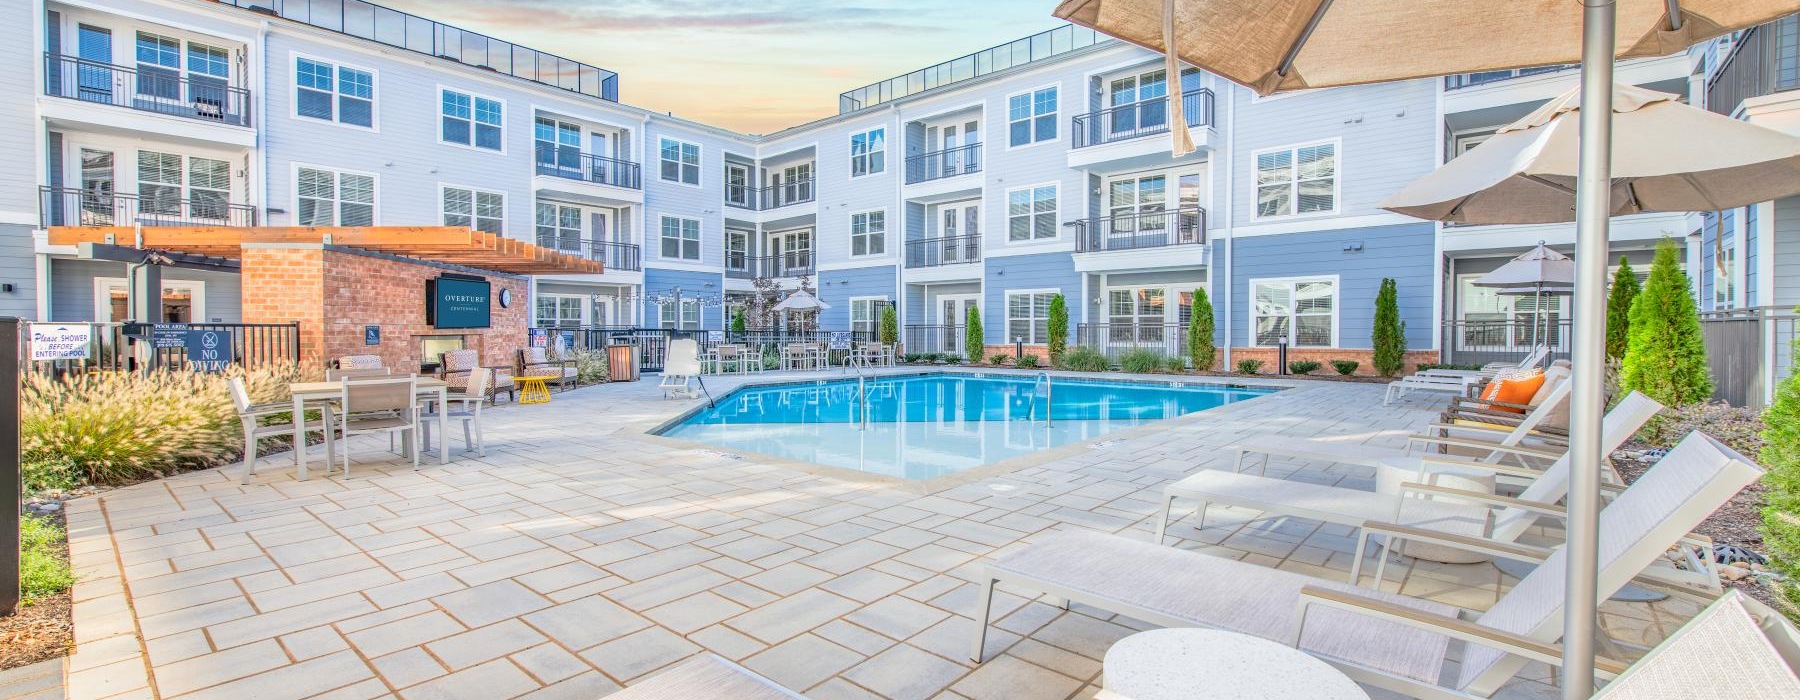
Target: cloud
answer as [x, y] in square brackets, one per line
[637, 16]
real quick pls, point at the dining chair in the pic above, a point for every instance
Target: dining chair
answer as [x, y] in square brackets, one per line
[466, 408]
[251, 416]
[386, 406]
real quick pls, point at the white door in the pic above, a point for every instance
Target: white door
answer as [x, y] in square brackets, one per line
[953, 312]
[960, 229]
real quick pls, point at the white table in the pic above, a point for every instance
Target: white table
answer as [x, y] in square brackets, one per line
[1190, 664]
[326, 391]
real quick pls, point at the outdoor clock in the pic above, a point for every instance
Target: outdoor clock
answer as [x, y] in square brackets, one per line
[505, 298]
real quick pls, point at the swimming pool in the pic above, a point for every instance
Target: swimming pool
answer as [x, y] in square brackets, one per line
[931, 425]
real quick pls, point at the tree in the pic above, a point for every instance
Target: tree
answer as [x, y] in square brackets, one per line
[890, 325]
[1059, 327]
[1781, 456]
[1618, 310]
[1201, 351]
[974, 341]
[1389, 334]
[737, 321]
[1665, 357]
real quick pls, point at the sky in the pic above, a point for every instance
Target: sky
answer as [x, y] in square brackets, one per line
[751, 66]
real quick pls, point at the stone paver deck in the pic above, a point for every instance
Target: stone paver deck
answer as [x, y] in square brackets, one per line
[582, 554]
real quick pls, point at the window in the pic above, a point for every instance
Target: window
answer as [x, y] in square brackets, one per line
[209, 188]
[737, 250]
[333, 198]
[200, 190]
[558, 310]
[689, 314]
[868, 152]
[1304, 311]
[208, 60]
[159, 183]
[680, 161]
[1301, 180]
[1028, 316]
[865, 316]
[334, 93]
[1031, 117]
[559, 226]
[1031, 213]
[472, 120]
[1494, 321]
[1724, 265]
[868, 233]
[482, 211]
[680, 238]
[158, 66]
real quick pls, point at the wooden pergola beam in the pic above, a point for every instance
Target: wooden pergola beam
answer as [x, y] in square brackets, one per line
[446, 244]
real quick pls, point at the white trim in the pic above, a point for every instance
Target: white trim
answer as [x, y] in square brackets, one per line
[1006, 116]
[1337, 180]
[699, 240]
[1765, 256]
[1323, 223]
[293, 77]
[850, 153]
[103, 296]
[505, 111]
[1337, 307]
[1006, 311]
[1006, 216]
[337, 191]
[875, 322]
[699, 162]
[442, 186]
[850, 236]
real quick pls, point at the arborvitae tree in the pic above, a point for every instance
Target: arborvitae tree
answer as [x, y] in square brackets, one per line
[1781, 502]
[1618, 310]
[1666, 358]
[737, 321]
[974, 340]
[1201, 350]
[890, 325]
[1058, 327]
[1389, 333]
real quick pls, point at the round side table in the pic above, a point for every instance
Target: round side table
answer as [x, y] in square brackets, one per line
[532, 389]
[1190, 664]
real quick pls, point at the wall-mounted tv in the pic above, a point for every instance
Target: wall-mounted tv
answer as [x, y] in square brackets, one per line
[458, 302]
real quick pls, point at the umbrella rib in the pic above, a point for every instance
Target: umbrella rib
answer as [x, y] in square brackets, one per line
[1549, 184]
[1689, 179]
[1293, 52]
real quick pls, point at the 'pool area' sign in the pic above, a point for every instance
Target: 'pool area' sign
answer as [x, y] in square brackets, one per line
[458, 302]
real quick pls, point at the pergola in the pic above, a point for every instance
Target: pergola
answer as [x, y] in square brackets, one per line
[444, 244]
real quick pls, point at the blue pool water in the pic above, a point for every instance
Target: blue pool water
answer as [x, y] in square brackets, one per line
[927, 426]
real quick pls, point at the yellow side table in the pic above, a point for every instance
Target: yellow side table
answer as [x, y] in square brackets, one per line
[532, 389]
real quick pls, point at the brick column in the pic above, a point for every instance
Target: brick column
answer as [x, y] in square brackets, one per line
[284, 283]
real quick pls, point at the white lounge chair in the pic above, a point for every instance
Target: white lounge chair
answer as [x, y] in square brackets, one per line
[1736, 647]
[681, 365]
[1457, 382]
[705, 677]
[1381, 639]
[1490, 369]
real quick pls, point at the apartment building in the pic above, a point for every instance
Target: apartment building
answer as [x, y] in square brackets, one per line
[992, 181]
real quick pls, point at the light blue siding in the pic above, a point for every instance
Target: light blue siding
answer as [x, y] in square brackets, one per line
[693, 285]
[72, 290]
[1046, 272]
[838, 287]
[1786, 250]
[1400, 251]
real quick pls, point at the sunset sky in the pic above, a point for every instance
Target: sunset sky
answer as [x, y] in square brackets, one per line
[754, 66]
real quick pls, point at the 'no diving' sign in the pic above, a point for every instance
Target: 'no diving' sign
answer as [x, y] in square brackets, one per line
[208, 351]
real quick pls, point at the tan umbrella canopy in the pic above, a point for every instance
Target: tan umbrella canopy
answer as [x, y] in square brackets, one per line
[1273, 45]
[801, 301]
[1667, 156]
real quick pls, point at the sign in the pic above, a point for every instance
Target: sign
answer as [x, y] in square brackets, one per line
[58, 342]
[168, 336]
[540, 338]
[715, 336]
[371, 335]
[458, 302]
[565, 341]
[839, 340]
[208, 350]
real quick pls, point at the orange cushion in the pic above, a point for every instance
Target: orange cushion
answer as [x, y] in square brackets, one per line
[1513, 388]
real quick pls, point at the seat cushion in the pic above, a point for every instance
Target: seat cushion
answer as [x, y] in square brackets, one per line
[1514, 387]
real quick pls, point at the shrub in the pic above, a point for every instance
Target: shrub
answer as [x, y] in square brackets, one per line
[1665, 358]
[1026, 361]
[1303, 367]
[51, 473]
[1389, 333]
[932, 357]
[1345, 367]
[1058, 327]
[1177, 364]
[1618, 310]
[1142, 361]
[998, 358]
[1781, 456]
[737, 321]
[1084, 359]
[974, 340]
[43, 571]
[771, 358]
[590, 365]
[1249, 366]
[910, 357]
[952, 358]
[112, 428]
[1201, 351]
[890, 325]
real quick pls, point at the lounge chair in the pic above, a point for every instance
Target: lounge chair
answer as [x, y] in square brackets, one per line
[1489, 370]
[1457, 382]
[705, 677]
[536, 362]
[1381, 639]
[1736, 648]
[680, 366]
[456, 365]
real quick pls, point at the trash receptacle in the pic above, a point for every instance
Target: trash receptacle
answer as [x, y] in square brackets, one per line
[621, 363]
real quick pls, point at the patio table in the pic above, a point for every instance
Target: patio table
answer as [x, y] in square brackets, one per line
[1187, 663]
[326, 391]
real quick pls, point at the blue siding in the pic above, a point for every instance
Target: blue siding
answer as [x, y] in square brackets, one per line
[1019, 272]
[692, 284]
[1402, 252]
[838, 287]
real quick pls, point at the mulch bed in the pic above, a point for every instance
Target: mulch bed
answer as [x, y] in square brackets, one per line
[43, 630]
[1738, 522]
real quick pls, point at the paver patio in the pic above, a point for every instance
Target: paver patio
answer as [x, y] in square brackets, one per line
[582, 554]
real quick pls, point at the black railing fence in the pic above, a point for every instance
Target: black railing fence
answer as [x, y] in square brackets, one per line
[109, 349]
[1481, 341]
[795, 264]
[771, 197]
[924, 338]
[66, 206]
[1111, 339]
[1765, 60]
[945, 250]
[1130, 121]
[615, 256]
[588, 167]
[950, 162]
[653, 343]
[1142, 229]
[160, 90]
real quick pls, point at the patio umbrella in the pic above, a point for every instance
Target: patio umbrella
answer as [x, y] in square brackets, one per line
[1274, 45]
[1536, 272]
[801, 300]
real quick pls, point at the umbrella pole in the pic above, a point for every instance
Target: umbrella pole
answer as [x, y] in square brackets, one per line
[1593, 200]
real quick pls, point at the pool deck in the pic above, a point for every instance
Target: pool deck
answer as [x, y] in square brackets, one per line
[582, 554]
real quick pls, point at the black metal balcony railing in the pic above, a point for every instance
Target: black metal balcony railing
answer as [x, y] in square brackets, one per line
[1113, 339]
[1144, 229]
[933, 338]
[1137, 119]
[950, 162]
[794, 264]
[946, 250]
[1765, 60]
[590, 168]
[614, 256]
[66, 206]
[1463, 80]
[771, 197]
[162, 91]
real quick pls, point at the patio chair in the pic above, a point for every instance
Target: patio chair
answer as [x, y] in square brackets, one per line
[1489, 370]
[536, 362]
[1735, 643]
[464, 408]
[338, 375]
[1476, 412]
[1387, 640]
[251, 415]
[728, 356]
[385, 406]
[797, 356]
[680, 366]
[705, 677]
[457, 364]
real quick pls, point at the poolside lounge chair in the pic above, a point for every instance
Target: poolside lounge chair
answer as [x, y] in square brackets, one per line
[1735, 643]
[1382, 639]
[1430, 383]
[705, 677]
[1490, 369]
[680, 366]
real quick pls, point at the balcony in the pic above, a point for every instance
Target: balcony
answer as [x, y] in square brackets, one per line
[746, 267]
[1139, 119]
[937, 165]
[1141, 230]
[158, 91]
[73, 207]
[617, 257]
[945, 250]
[588, 167]
[771, 197]
[1765, 60]
[1457, 82]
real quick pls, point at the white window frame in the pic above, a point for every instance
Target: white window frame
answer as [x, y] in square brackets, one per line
[1054, 114]
[868, 156]
[1007, 301]
[1293, 183]
[336, 92]
[337, 210]
[1518, 326]
[874, 315]
[662, 236]
[1337, 307]
[1726, 241]
[681, 310]
[444, 213]
[1055, 226]
[581, 304]
[103, 287]
[472, 120]
[680, 164]
[869, 236]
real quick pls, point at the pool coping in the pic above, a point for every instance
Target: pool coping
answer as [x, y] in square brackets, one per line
[984, 471]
